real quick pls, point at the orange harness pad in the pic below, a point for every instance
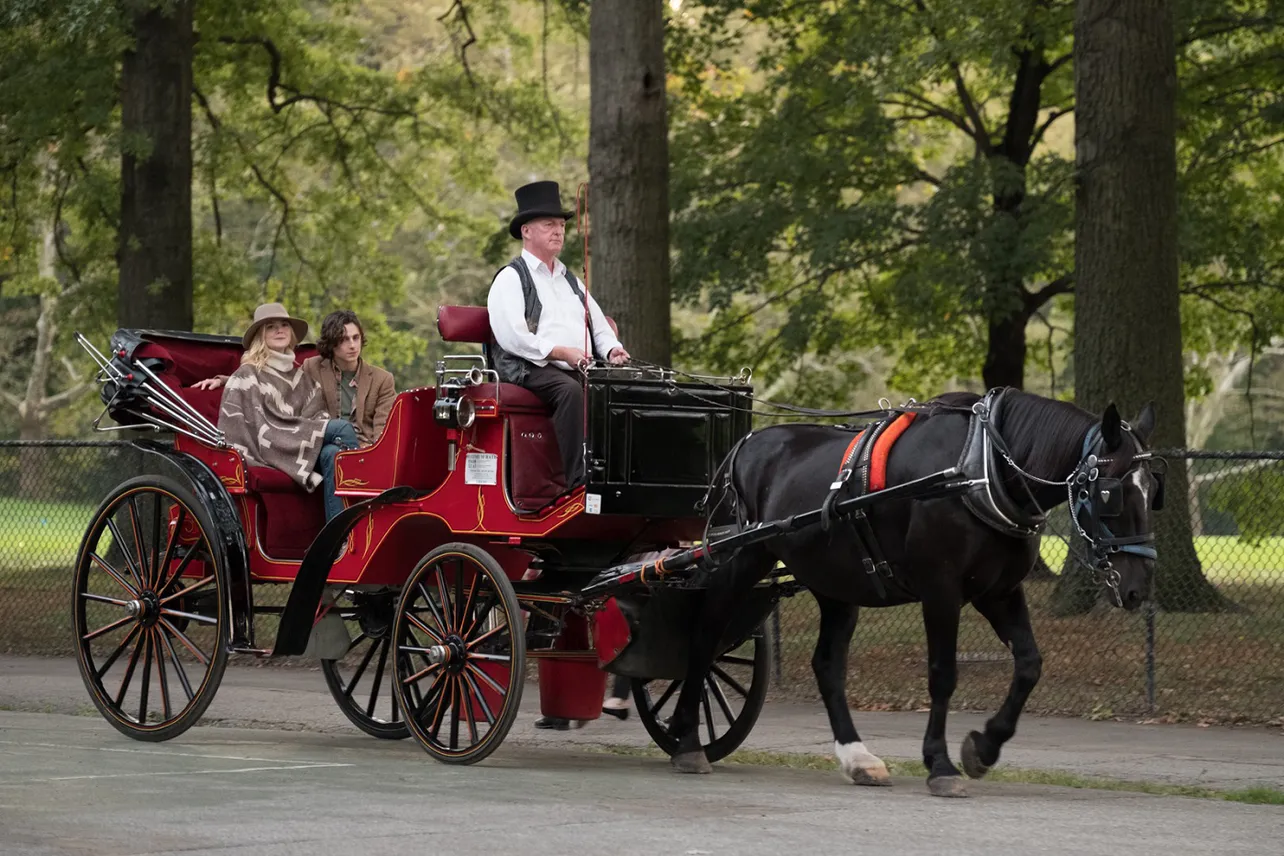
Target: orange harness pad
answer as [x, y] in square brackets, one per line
[882, 449]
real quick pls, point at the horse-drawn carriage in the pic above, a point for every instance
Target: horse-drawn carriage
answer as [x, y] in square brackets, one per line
[462, 555]
[458, 560]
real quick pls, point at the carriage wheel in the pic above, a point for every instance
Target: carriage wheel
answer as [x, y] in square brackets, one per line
[150, 609]
[460, 667]
[731, 699]
[363, 681]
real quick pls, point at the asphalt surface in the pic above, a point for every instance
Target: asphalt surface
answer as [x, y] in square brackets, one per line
[72, 785]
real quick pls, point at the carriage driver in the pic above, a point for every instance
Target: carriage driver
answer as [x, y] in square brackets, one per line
[537, 318]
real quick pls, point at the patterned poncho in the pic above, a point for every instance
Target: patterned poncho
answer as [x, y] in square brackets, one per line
[275, 417]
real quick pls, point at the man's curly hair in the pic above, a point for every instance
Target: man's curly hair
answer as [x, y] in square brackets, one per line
[332, 332]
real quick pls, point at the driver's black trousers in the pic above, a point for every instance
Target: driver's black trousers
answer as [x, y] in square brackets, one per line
[563, 393]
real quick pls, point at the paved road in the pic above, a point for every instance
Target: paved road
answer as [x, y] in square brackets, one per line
[296, 699]
[71, 785]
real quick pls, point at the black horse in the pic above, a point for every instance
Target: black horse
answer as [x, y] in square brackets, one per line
[1025, 454]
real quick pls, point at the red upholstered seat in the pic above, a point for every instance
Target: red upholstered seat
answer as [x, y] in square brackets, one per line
[269, 480]
[511, 397]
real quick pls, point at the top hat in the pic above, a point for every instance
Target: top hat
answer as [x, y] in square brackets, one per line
[535, 200]
[269, 312]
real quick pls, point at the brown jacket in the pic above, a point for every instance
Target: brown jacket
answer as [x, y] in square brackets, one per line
[375, 394]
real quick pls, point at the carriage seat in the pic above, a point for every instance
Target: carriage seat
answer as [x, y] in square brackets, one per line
[535, 465]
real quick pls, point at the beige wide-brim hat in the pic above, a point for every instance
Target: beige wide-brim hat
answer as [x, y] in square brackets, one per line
[271, 312]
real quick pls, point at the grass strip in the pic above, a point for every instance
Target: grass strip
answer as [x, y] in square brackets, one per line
[903, 767]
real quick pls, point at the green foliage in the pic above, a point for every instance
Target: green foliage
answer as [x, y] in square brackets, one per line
[860, 157]
[346, 154]
[860, 177]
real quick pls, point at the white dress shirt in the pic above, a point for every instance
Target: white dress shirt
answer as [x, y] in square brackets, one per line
[561, 320]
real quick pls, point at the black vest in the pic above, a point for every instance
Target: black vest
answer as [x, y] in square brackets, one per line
[512, 368]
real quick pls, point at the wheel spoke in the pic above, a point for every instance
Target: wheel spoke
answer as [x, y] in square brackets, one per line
[479, 619]
[129, 637]
[468, 605]
[147, 679]
[413, 680]
[120, 545]
[178, 665]
[708, 716]
[432, 607]
[493, 658]
[489, 681]
[361, 669]
[489, 633]
[417, 622]
[156, 536]
[457, 692]
[193, 587]
[162, 575]
[89, 637]
[138, 541]
[103, 599]
[431, 699]
[160, 671]
[447, 608]
[721, 698]
[188, 643]
[730, 681]
[668, 693]
[114, 574]
[481, 700]
[129, 674]
[441, 708]
[459, 595]
[739, 661]
[383, 647]
[178, 572]
[190, 616]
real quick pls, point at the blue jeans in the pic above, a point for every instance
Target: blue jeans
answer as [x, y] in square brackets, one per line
[340, 436]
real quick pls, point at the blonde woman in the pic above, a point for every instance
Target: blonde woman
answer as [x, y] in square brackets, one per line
[274, 414]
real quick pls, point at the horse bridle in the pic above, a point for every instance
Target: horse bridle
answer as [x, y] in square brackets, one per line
[1101, 499]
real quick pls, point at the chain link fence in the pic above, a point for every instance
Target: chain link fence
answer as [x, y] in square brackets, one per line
[1221, 665]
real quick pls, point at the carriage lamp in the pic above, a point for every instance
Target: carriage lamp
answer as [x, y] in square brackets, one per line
[454, 412]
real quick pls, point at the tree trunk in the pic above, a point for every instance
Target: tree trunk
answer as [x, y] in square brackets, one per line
[1127, 340]
[1005, 352]
[155, 249]
[629, 172]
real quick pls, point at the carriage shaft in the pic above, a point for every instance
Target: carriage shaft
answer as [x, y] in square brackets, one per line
[944, 483]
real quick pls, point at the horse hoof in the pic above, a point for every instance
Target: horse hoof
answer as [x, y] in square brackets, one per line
[691, 762]
[877, 777]
[971, 756]
[947, 786]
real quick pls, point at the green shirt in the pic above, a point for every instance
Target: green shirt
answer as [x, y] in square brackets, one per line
[348, 395]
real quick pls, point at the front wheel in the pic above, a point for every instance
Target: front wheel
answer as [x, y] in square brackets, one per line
[731, 699]
[460, 657]
[150, 609]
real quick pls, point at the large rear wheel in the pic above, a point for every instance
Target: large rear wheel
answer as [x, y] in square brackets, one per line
[150, 609]
[731, 699]
[461, 653]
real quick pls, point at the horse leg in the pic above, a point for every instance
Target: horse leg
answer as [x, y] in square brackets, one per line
[829, 663]
[727, 588]
[1010, 618]
[941, 621]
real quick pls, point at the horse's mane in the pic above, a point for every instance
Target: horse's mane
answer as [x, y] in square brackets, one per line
[1043, 433]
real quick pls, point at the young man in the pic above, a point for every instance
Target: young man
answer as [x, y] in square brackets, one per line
[354, 390]
[537, 315]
